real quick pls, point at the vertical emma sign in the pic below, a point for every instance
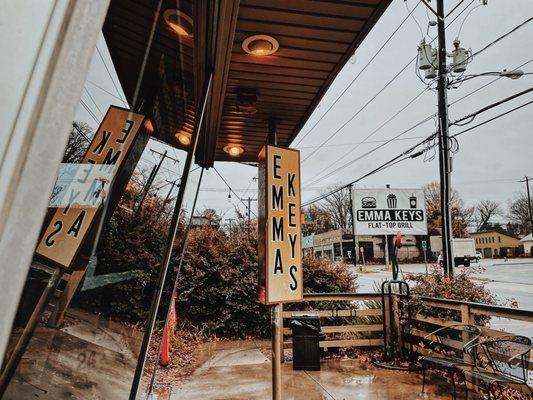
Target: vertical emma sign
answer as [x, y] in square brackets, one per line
[280, 254]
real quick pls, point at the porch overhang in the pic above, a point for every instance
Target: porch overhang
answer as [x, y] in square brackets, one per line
[316, 38]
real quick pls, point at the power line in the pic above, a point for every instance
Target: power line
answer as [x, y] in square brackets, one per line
[105, 90]
[327, 175]
[231, 190]
[405, 154]
[89, 111]
[94, 102]
[367, 142]
[357, 76]
[377, 130]
[110, 76]
[374, 97]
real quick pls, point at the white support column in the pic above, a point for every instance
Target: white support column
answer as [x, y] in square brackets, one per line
[47, 48]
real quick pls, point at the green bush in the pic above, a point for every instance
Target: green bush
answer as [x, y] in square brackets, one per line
[218, 283]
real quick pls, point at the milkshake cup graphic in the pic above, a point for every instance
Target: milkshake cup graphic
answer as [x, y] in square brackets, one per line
[412, 201]
[392, 201]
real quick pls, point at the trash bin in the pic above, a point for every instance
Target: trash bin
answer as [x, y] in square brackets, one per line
[306, 336]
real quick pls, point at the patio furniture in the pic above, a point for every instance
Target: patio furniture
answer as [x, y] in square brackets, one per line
[456, 345]
[508, 357]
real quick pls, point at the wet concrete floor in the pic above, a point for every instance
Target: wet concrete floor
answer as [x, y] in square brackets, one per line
[239, 371]
[91, 358]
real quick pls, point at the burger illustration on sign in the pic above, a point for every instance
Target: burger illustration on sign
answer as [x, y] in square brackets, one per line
[368, 202]
[392, 201]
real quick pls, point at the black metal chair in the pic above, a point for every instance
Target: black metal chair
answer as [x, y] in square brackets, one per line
[456, 345]
[508, 358]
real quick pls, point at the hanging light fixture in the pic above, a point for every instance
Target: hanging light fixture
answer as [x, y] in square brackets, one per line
[234, 150]
[229, 194]
[184, 138]
[179, 22]
[260, 45]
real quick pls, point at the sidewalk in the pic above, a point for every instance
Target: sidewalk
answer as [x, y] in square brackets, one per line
[239, 371]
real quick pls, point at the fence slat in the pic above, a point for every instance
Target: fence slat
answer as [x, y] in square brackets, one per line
[371, 312]
[325, 344]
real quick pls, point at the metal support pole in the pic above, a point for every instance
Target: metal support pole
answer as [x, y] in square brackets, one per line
[444, 145]
[526, 180]
[387, 252]
[354, 255]
[277, 309]
[277, 349]
[168, 252]
[27, 333]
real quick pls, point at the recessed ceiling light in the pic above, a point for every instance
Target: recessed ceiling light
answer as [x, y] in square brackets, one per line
[179, 22]
[234, 150]
[184, 138]
[260, 45]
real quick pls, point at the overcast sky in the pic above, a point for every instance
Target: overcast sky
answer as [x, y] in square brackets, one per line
[490, 161]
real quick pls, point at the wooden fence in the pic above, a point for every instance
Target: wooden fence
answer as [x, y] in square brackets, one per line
[337, 319]
[351, 318]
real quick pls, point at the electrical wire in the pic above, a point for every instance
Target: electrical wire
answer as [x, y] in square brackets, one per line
[110, 76]
[466, 17]
[105, 91]
[231, 190]
[381, 127]
[319, 178]
[406, 153]
[89, 111]
[374, 97]
[93, 101]
[410, 13]
[356, 77]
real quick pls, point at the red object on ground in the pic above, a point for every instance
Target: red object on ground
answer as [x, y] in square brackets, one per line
[169, 328]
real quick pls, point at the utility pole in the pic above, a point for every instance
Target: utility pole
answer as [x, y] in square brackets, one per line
[230, 220]
[153, 174]
[354, 257]
[249, 200]
[526, 180]
[444, 144]
[173, 183]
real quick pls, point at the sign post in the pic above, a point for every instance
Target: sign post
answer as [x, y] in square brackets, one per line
[424, 250]
[280, 247]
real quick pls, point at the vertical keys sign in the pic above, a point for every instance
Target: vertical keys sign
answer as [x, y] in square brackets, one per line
[280, 253]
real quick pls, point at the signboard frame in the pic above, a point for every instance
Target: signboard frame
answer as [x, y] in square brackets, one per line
[385, 211]
[136, 132]
[274, 160]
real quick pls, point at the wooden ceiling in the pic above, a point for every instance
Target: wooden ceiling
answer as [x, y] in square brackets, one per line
[316, 39]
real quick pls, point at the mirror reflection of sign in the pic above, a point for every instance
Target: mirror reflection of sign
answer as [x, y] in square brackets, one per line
[386, 211]
[105, 155]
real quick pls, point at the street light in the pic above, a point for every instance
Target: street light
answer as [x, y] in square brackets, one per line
[513, 74]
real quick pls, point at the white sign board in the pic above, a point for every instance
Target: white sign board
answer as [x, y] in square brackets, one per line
[387, 211]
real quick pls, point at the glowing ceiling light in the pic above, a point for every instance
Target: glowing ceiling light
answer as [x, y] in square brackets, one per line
[260, 45]
[179, 22]
[234, 150]
[184, 138]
